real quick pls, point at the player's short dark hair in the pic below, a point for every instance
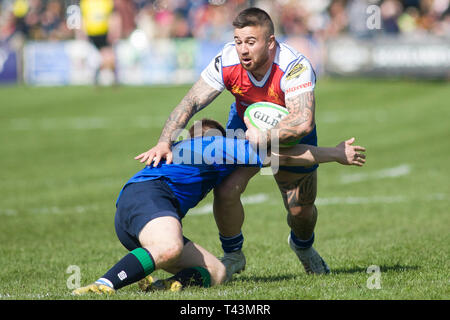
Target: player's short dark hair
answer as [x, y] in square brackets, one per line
[254, 17]
[206, 125]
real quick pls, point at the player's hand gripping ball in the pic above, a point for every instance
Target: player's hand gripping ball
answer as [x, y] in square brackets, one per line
[266, 115]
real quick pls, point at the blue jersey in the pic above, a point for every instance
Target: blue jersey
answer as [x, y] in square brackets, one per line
[199, 165]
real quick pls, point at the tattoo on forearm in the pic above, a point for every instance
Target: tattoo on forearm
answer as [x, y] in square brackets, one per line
[301, 110]
[199, 96]
[177, 120]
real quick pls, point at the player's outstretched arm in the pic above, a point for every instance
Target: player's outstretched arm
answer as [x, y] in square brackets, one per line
[199, 96]
[306, 155]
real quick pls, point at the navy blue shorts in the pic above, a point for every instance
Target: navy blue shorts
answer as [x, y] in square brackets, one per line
[139, 203]
[235, 122]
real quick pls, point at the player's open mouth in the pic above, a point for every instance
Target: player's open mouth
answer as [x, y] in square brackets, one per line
[246, 60]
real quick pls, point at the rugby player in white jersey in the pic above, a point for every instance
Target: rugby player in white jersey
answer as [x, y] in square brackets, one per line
[256, 67]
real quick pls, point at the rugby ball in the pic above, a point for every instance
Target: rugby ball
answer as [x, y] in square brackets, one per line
[266, 115]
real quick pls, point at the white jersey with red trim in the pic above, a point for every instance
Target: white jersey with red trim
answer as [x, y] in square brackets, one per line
[290, 74]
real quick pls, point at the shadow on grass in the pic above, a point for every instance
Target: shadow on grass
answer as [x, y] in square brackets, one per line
[383, 268]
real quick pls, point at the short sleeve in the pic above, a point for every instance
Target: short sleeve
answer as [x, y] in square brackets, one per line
[212, 74]
[217, 150]
[230, 151]
[298, 78]
[241, 152]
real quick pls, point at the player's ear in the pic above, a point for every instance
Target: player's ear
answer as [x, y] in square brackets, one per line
[271, 42]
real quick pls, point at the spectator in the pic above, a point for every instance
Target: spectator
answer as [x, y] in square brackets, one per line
[357, 18]
[52, 22]
[126, 12]
[20, 10]
[33, 20]
[209, 19]
[390, 12]
[408, 20]
[96, 19]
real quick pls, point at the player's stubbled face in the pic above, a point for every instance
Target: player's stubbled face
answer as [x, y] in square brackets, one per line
[252, 45]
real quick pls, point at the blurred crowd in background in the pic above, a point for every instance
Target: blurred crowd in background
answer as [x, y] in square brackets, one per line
[211, 19]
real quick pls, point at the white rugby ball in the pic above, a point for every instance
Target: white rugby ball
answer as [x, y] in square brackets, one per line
[266, 115]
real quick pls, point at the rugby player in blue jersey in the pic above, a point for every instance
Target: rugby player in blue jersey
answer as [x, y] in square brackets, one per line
[153, 202]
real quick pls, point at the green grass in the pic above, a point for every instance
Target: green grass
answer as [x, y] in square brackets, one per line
[66, 152]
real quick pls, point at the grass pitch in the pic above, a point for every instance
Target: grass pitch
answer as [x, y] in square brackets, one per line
[66, 152]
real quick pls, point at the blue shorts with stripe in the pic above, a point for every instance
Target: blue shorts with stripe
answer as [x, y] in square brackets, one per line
[235, 122]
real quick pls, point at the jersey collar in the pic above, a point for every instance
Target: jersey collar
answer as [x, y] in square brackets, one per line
[263, 81]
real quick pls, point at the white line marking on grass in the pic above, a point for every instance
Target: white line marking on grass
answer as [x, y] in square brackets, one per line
[329, 117]
[80, 209]
[379, 199]
[398, 171]
[8, 212]
[205, 209]
[263, 197]
[256, 198]
[75, 123]
[359, 200]
[252, 199]
[83, 123]
[62, 210]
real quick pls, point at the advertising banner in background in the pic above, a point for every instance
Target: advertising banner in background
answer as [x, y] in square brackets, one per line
[60, 63]
[389, 57]
[163, 61]
[8, 65]
[153, 63]
[180, 61]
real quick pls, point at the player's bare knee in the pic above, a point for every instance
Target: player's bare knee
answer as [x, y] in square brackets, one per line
[166, 253]
[173, 251]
